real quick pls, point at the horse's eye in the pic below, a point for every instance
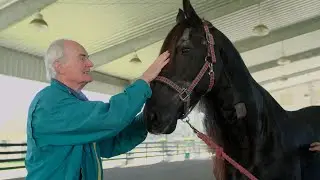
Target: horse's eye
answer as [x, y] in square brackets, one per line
[185, 50]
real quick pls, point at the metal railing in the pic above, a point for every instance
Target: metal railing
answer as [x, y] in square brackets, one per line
[12, 155]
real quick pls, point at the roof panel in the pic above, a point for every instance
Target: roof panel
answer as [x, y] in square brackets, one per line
[274, 13]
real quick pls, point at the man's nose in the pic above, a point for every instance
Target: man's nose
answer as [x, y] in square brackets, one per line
[89, 63]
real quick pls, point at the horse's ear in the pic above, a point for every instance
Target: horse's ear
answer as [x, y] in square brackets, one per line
[180, 16]
[190, 13]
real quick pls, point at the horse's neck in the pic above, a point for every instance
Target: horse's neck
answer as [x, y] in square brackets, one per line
[238, 136]
[249, 91]
[220, 108]
[236, 85]
[242, 137]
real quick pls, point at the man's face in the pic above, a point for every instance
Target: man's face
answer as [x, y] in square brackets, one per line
[77, 66]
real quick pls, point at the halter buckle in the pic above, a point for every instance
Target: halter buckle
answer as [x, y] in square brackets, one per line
[184, 95]
[210, 69]
[208, 58]
[187, 120]
[208, 37]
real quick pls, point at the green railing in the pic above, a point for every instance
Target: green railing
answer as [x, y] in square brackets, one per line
[12, 155]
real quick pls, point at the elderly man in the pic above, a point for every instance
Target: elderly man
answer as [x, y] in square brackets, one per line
[66, 134]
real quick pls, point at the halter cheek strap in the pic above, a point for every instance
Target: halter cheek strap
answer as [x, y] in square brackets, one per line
[185, 93]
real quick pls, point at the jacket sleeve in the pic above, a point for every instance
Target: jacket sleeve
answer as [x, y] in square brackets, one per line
[69, 121]
[126, 140]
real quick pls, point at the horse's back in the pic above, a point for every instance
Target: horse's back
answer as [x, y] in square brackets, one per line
[308, 121]
[303, 126]
[310, 165]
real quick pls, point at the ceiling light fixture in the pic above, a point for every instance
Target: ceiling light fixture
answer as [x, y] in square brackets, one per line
[260, 29]
[38, 22]
[283, 60]
[135, 59]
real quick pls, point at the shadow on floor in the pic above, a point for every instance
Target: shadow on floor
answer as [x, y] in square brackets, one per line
[184, 170]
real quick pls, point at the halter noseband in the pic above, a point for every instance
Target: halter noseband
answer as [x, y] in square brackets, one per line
[184, 93]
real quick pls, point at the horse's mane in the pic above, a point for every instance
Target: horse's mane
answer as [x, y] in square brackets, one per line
[212, 130]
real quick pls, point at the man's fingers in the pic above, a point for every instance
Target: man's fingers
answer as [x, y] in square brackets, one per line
[159, 63]
[164, 59]
[164, 56]
[317, 148]
[315, 144]
[165, 62]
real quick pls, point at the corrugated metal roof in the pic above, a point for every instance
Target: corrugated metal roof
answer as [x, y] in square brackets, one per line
[274, 13]
[5, 3]
[99, 24]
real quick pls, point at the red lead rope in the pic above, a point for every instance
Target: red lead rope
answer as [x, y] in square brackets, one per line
[221, 153]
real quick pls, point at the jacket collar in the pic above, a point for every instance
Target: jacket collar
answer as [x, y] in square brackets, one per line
[60, 85]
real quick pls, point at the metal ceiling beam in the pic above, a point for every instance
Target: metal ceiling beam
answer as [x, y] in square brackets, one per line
[117, 51]
[291, 86]
[26, 66]
[293, 58]
[19, 10]
[278, 35]
[315, 52]
[290, 75]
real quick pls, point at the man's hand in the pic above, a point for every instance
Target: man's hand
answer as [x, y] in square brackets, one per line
[315, 146]
[155, 68]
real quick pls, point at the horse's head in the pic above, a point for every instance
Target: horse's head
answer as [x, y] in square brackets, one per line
[189, 75]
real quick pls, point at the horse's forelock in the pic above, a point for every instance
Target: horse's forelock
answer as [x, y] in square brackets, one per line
[173, 37]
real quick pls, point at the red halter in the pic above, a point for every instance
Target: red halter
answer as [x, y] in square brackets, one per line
[184, 93]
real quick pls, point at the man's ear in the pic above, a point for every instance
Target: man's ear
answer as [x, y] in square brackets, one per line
[58, 67]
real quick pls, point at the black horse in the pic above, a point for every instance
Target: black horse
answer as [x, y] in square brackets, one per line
[241, 116]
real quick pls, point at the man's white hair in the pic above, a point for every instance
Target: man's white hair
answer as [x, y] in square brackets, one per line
[54, 53]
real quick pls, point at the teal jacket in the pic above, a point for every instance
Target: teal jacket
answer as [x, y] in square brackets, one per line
[66, 134]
